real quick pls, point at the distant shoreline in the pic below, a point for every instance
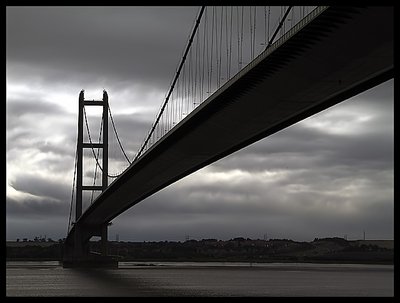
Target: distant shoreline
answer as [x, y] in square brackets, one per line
[321, 251]
[371, 262]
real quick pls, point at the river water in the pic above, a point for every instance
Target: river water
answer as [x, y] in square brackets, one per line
[200, 279]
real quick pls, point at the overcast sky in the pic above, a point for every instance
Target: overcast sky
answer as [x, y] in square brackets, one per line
[328, 175]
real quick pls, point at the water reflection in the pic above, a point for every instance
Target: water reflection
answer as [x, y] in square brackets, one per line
[116, 282]
[199, 279]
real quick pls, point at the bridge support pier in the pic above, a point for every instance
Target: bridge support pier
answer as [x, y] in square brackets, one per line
[104, 240]
[78, 254]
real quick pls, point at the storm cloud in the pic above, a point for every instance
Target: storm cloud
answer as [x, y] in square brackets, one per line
[87, 44]
[328, 175]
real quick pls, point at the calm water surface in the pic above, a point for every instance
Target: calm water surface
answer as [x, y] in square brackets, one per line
[200, 279]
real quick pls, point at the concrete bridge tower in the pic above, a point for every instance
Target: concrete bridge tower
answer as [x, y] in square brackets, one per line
[78, 254]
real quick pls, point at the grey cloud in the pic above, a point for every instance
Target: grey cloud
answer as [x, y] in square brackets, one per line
[55, 156]
[113, 43]
[57, 149]
[31, 106]
[354, 152]
[139, 225]
[37, 209]
[29, 110]
[42, 187]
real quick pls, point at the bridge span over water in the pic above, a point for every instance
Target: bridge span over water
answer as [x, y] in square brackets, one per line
[329, 56]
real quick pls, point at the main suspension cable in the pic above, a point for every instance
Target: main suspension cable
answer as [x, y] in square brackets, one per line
[279, 26]
[173, 84]
[116, 135]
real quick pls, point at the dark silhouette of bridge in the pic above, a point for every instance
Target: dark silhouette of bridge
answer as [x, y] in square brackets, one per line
[328, 56]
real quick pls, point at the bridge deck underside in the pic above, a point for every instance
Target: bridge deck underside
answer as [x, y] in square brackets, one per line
[340, 53]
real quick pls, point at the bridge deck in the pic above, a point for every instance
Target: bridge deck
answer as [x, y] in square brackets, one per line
[323, 61]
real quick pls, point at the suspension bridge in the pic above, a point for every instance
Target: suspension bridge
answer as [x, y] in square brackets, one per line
[245, 73]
